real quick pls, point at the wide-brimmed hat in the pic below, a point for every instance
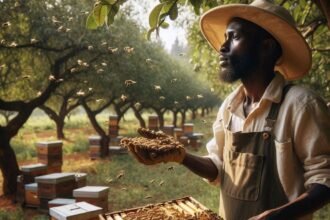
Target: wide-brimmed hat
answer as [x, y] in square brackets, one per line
[296, 59]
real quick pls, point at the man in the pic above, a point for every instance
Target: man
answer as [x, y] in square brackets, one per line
[271, 148]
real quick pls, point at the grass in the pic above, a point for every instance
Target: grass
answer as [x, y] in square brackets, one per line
[139, 184]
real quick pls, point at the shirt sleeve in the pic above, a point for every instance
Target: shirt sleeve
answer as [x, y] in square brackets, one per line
[312, 141]
[215, 148]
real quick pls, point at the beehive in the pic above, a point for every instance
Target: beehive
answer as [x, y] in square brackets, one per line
[31, 195]
[31, 171]
[50, 153]
[94, 146]
[153, 122]
[81, 179]
[96, 195]
[76, 211]
[168, 129]
[113, 126]
[178, 133]
[55, 185]
[179, 209]
[188, 128]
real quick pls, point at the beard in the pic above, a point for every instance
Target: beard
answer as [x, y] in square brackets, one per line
[238, 67]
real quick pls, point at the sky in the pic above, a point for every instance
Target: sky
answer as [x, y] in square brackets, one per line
[142, 9]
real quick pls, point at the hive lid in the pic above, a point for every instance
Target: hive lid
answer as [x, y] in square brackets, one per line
[91, 191]
[49, 143]
[76, 211]
[61, 201]
[33, 167]
[31, 187]
[55, 178]
[94, 137]
[188, 124]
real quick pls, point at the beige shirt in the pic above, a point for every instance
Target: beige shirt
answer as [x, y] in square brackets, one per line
[302, 134]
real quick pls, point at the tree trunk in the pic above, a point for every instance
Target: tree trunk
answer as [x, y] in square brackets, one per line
[203, 112]
[8, 164]
[175, 118]
[160, 115]
[59, 128]
[104, 143]
[193, 114]
[183, 117]
[139, 117]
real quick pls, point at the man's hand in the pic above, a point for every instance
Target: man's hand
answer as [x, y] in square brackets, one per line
[263, 216]
[154, 147]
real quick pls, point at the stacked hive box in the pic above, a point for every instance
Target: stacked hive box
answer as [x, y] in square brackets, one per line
[94, 146]
[50, 153]
[153, 122]
[168, 129]
[78, 211]
[31, 195]
[188, 129]
[96, 195]
[178, 133]
[29, 172]
[115, 147]
[113, 126]
[55, 185]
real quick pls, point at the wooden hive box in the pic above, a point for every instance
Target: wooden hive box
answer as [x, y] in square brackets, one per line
[96, 195]
[31, 195]
[188, 128]
[54, 169]
[94, 140]
[81, 180]
[56, 185]
[168, 129]
[60, 201]
[115, 141]
[153, 122]
[31, 171]
[76, 211]
[178, 209]
[50, 153]
[49, 147]
[178, 133]
[113, 120]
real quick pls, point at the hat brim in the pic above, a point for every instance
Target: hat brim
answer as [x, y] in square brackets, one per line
[295, 61]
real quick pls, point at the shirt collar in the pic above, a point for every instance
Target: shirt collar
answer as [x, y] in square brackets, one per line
[272, 93]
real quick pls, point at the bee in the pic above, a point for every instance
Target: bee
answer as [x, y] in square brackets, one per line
[109, 180]
[55, 21]
[104, 64]
[170, 168]
[80, 62]
[13, 44]
[123, 97]
[200, 96]
[120, 174]
[34, 41]
[129, 82]
[152, 181]
[161, 183]
[80, 93]
[157, 87]
[148, 197]
[137, 105]
[90, 47]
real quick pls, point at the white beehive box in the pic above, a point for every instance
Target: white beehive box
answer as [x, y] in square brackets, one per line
[91, 192]
[76, 211]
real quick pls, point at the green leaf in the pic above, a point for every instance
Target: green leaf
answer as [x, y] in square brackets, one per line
[167, 7]
[164, 25]
[90, 22]
[174, 12]
[100, 14]
[197, 5]
[150, 32]
[154, 15]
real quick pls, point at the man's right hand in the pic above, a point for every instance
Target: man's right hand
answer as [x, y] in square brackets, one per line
[154, 147]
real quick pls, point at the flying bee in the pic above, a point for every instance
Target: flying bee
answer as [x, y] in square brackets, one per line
[129, 82]
[90, 47]
[157, 87]
[200, 96]
[123, 97]
[170, 168]
[161, 183]
[34, 41]
[148, 197]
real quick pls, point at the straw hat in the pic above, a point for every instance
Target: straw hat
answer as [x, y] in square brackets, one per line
[296, 58]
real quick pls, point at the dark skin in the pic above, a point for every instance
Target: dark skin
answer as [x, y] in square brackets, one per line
[250, 56]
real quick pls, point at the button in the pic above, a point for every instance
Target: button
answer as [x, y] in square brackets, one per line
[265, 135]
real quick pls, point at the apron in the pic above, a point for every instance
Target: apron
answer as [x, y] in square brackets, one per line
[250, 183]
